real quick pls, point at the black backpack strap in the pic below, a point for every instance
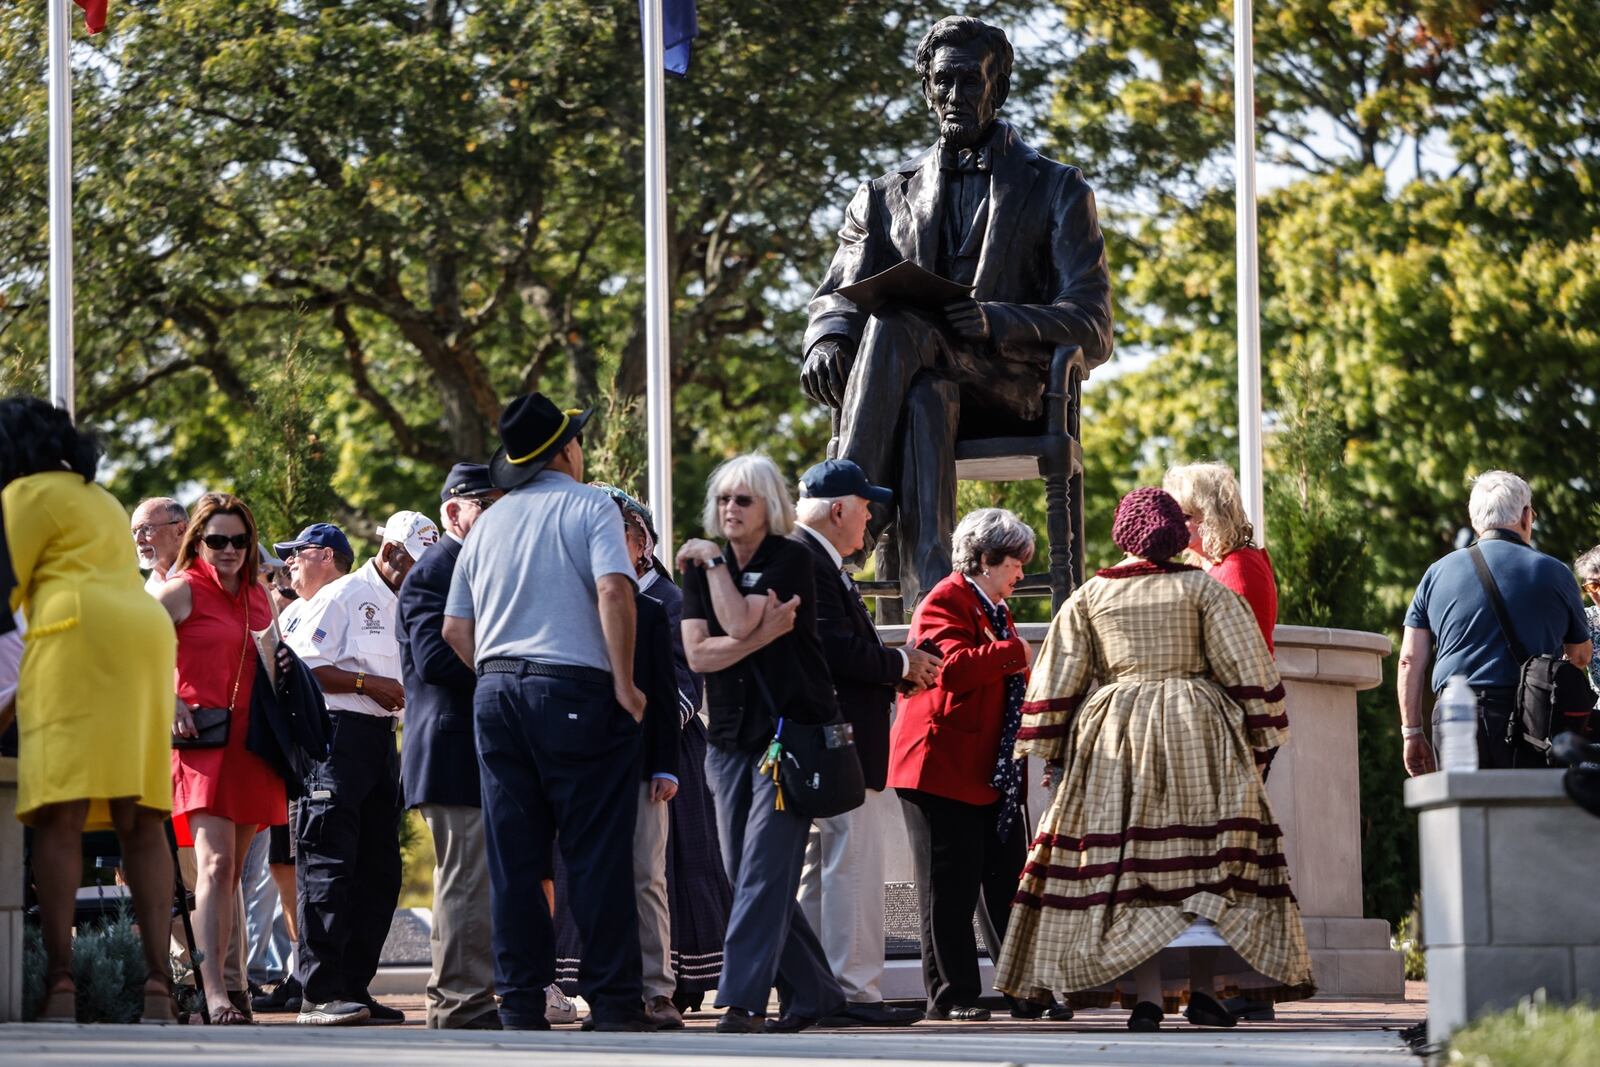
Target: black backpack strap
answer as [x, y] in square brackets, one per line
[1486, 577]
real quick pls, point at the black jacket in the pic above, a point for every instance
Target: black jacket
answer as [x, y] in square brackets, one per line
[288, 725]
[653, 674]
[691, 687]
[438, 759]
[865, 673]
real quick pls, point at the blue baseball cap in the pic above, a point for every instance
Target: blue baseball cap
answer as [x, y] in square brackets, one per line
[317, 535]
[841, 477]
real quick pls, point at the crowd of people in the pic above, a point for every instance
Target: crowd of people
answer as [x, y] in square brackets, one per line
[591, 747]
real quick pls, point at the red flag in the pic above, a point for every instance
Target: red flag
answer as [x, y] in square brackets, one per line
[94, 14]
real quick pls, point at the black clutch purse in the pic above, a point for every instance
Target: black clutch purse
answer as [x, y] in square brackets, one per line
[211, 729]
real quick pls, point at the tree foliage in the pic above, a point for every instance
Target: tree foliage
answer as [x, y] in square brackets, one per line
[441, 200]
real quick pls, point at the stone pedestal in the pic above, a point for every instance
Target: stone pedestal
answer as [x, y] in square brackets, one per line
[1315, 792]
[1508, 907]
[10, 895]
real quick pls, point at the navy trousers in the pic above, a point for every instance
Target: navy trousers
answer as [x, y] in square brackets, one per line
[768, 941]
[347, 867]
[560, 761]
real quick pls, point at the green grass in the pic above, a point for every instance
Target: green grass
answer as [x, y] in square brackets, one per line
[1534, 1034]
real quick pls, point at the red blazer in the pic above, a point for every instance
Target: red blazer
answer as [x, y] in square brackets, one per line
[945, 740]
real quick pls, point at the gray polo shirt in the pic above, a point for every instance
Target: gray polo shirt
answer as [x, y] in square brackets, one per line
[528, 572]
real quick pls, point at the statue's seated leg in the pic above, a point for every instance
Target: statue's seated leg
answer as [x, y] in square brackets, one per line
[897, 346]
[927, 488]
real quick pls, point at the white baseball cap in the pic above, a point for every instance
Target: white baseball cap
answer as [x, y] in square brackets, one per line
[412, 529]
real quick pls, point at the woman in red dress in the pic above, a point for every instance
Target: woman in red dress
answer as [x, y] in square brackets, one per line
[1222, 539]
[220, 796]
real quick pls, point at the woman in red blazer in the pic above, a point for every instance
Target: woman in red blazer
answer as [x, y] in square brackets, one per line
[961, 800]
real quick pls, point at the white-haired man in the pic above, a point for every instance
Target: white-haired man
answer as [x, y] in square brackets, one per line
[841, 884]
[157, 527]
[1452, 624]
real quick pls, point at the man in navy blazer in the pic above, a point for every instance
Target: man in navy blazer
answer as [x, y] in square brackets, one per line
[841, 885]
[439, 767]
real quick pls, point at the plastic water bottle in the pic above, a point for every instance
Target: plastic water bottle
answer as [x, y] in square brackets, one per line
[1458, 726]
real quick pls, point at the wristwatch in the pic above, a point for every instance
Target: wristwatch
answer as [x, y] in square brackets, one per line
[713, 563]
[361, 682]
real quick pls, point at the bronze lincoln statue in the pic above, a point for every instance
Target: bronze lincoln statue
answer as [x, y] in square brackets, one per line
[982, 209]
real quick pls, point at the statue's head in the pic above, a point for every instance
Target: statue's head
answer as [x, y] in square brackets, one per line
[965, 67]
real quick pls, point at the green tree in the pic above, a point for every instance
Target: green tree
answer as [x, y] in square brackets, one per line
[443, 198]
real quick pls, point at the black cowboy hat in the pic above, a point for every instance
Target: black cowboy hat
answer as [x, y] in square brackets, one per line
[533, 431]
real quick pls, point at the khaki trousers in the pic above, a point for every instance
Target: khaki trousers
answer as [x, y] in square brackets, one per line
[841, 894]
[461, 987]
[233, 963]
[650, 889]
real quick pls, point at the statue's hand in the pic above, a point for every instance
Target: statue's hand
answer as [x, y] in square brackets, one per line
[826, 371]
[966, 317]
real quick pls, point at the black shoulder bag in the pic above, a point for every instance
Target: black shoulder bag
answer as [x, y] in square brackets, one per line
[1553, 695]
[815, 765]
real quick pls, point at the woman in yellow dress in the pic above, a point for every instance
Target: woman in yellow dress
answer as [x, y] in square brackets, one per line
[94, 701]
[1155, 694]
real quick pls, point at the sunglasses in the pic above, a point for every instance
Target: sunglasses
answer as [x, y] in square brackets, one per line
[737, 498]
[218, 542]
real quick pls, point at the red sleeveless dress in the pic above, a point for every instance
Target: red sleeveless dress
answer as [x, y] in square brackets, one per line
[231, 781]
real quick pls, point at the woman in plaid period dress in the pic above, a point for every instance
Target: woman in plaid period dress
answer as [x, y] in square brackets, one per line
[1161, 826]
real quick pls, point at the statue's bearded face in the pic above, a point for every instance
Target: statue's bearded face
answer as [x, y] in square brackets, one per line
[963, 91]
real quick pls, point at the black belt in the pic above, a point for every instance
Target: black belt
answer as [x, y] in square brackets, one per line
[570, 672]
[387, 723]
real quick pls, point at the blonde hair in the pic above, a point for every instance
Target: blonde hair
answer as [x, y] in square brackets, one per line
[758, 474]
[1209, 493]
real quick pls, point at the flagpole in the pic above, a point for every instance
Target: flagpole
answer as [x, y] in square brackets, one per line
[1248, 267]
[62, 384]
[658, 338]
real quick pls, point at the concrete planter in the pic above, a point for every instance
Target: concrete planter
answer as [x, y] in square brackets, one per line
[1508, 901]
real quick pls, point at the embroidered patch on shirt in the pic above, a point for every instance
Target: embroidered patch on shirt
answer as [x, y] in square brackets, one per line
[749, 579]
[317, 635]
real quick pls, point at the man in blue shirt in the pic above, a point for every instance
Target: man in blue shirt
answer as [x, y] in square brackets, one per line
[1452, 625]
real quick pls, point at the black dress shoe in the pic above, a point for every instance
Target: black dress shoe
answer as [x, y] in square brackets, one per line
[790, 1024]
[1250, 1011]
[879, 1014]
[1145, 1018]
[739, 1021]
[489, 1020]
[1203, 1010]
[1054, 1011]
[959, 1015]
[285, 999]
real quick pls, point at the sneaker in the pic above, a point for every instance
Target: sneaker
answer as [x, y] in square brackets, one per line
[558, 1007]
[284, 999]
[382, 1013]
[332, 1013]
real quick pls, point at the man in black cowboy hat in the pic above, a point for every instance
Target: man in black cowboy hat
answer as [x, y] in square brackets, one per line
[541, 604]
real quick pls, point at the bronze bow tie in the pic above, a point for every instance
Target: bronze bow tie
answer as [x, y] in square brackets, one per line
[966, 160]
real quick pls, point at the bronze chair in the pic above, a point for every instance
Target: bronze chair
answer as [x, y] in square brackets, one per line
[1048, 448]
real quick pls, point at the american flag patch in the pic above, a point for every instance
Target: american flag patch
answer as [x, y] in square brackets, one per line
[317, 635]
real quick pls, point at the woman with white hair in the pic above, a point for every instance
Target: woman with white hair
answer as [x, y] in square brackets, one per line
[1221, 538]
[950, 760]
[1588, 568]
[750, 626]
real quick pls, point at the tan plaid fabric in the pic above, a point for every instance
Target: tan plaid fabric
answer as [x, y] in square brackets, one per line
[1162, 816]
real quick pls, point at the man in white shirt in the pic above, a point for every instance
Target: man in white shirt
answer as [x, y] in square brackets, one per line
[347, 826]
[157, 526]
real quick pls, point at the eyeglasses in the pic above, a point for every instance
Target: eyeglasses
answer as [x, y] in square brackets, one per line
[724, 499]
[148, 529]
[483, 502]
[218, 542]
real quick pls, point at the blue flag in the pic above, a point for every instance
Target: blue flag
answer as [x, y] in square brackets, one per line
[679, 28]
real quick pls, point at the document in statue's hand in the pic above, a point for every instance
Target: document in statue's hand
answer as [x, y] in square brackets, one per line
[907, 283]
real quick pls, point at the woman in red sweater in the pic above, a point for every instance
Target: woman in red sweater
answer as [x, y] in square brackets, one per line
[951, 760]
[1222, 539]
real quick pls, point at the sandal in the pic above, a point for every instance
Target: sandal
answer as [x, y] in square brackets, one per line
[160, 1006]
[61, 1002]
[228, 1016]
